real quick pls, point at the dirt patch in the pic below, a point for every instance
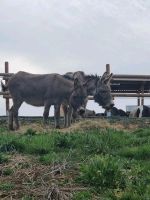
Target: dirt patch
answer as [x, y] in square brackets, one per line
[29, 178]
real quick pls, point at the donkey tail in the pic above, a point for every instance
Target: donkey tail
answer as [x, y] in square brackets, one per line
[4, 87]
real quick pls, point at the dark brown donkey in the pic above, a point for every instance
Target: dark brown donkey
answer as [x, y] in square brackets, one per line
[45, 90]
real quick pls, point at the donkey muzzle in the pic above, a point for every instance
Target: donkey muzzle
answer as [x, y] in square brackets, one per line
[81, 110]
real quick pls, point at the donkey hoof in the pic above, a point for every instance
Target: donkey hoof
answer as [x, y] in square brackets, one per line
[57, 126]
[11, 128]
[16, 128]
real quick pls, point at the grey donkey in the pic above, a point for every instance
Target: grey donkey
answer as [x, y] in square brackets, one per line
[99, 87]
[45, 90]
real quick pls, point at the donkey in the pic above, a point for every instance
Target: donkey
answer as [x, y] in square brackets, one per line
[45, 90]
[99, 87]
[91, 81]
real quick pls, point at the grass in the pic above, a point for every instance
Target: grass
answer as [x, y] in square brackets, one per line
[84, 195]
[7, 172]
[3, 158]
[6, 186]
[138, 153]
[110, 164]
[103, 172]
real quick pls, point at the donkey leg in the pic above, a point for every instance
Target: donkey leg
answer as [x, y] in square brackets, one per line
[70, 115]
[16, 105]
[46, 113]
[57, 115]
[65, 109]
[10, 119]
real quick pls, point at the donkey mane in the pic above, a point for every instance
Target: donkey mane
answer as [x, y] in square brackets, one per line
[67, 77]
[70, 76]
[93, 76]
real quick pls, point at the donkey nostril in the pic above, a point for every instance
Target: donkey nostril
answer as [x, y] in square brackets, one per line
[111, 105]
[81, 111]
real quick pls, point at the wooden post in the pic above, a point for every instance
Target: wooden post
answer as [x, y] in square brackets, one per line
[108, 68]
[108, 113]
[6, 81]
[142, 101]
[142, 91]
[138, 101]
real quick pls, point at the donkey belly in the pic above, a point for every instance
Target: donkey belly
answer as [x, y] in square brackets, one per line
[41, 102]
[34, 101]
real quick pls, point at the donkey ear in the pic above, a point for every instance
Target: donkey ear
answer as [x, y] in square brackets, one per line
[86, 82]
[76, 83]
[106, 78]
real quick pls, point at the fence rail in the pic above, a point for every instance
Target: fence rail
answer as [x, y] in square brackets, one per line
[6, 74]
[5, 77]
[131, 79]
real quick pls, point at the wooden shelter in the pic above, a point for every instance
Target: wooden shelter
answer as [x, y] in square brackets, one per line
[131, 86]
[127, 85]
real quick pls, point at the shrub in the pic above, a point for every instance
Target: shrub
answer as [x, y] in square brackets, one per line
[102, 172]
[30, 132]
[139, 153]
[28, 198]
[83, 195]
[7, 171]
[6, 186]
[52, 158]
[13, 146]
[3, 159]
[62, 141]
[142, 133]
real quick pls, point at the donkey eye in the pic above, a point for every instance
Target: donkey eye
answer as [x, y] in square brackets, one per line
[103, 91]
[78, 98]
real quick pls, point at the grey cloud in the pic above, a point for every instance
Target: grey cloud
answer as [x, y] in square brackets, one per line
[75, 34]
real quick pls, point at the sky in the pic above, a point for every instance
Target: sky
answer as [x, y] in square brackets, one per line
[42, 36]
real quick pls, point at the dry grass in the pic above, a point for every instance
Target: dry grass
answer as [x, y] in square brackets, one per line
[82, 125]
[88, 124]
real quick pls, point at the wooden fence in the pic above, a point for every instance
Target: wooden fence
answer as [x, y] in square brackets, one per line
[5, 76]
[117, 79]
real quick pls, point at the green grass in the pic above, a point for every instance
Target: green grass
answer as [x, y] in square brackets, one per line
[84, 195]
[3, 158]
[6, 186]
[139, 152]
[53, 158]
[7, 171]
[103, 172]
[113, 165]
[27, 198]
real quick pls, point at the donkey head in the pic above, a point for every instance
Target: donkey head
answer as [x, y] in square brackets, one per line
[79, 95]
[103, 94]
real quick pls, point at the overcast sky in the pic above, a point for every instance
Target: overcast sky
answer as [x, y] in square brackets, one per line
[42, 36]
